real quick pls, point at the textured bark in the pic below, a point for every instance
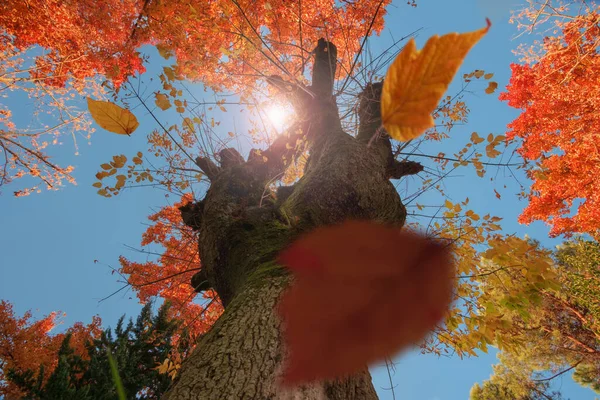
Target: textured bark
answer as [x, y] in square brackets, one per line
[241, 356]
[241, 232]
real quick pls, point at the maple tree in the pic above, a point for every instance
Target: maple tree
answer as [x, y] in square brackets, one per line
[51, 52]
[244, 209]
[146, 354]
[56, 50]
[169, 276]
[555, 89]
[240, 214]
[27, 345]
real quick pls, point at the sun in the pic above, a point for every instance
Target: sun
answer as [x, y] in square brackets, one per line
[279, 115]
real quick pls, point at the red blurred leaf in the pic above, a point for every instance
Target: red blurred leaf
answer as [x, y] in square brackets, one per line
[362, 291]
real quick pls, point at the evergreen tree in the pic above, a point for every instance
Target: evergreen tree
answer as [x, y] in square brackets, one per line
[139, 349]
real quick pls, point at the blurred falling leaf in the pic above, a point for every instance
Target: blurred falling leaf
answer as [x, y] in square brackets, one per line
[114, 370]
[416, 81]
[112, 117]
[362, 292]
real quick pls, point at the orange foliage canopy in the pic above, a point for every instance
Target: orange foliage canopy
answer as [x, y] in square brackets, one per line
[26, 345]
[54, 50]
[559, 97]
[82, 37]
[169, 276]
[221, 43]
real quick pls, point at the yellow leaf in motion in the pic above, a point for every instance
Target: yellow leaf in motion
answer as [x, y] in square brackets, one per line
[112, 117]
[417, 79]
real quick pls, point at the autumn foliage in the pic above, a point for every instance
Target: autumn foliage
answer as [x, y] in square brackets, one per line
[558, 94]
[83, 38]
[169, 276]
[69, 48]
[55, 51]
[220, 43]
[28, 345]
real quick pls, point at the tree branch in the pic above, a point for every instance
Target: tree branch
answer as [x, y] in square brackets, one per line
[558, 374]
[209, 168]
[324, 69]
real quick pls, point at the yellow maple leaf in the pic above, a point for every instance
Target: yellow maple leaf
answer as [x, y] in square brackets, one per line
[417, 79]
[112, 117]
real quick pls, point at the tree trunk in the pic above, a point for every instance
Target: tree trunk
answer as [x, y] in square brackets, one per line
[241, 231]
[241, 356]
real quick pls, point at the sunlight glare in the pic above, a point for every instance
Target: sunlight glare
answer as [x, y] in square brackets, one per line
[279, 115]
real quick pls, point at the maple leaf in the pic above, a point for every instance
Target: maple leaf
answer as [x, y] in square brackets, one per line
[362, 291]
[416, 81]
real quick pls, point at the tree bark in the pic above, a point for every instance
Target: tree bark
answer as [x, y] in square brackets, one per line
[241, 356]
[241, 231]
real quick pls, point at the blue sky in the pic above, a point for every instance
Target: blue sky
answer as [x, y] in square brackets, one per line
[50, 240]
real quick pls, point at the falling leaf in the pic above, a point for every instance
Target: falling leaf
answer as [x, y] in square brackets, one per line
[497, 194]
[417, 80]
[362, 292]
[491, 87]
[162, 101]
[488, 76]
[112, 117]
